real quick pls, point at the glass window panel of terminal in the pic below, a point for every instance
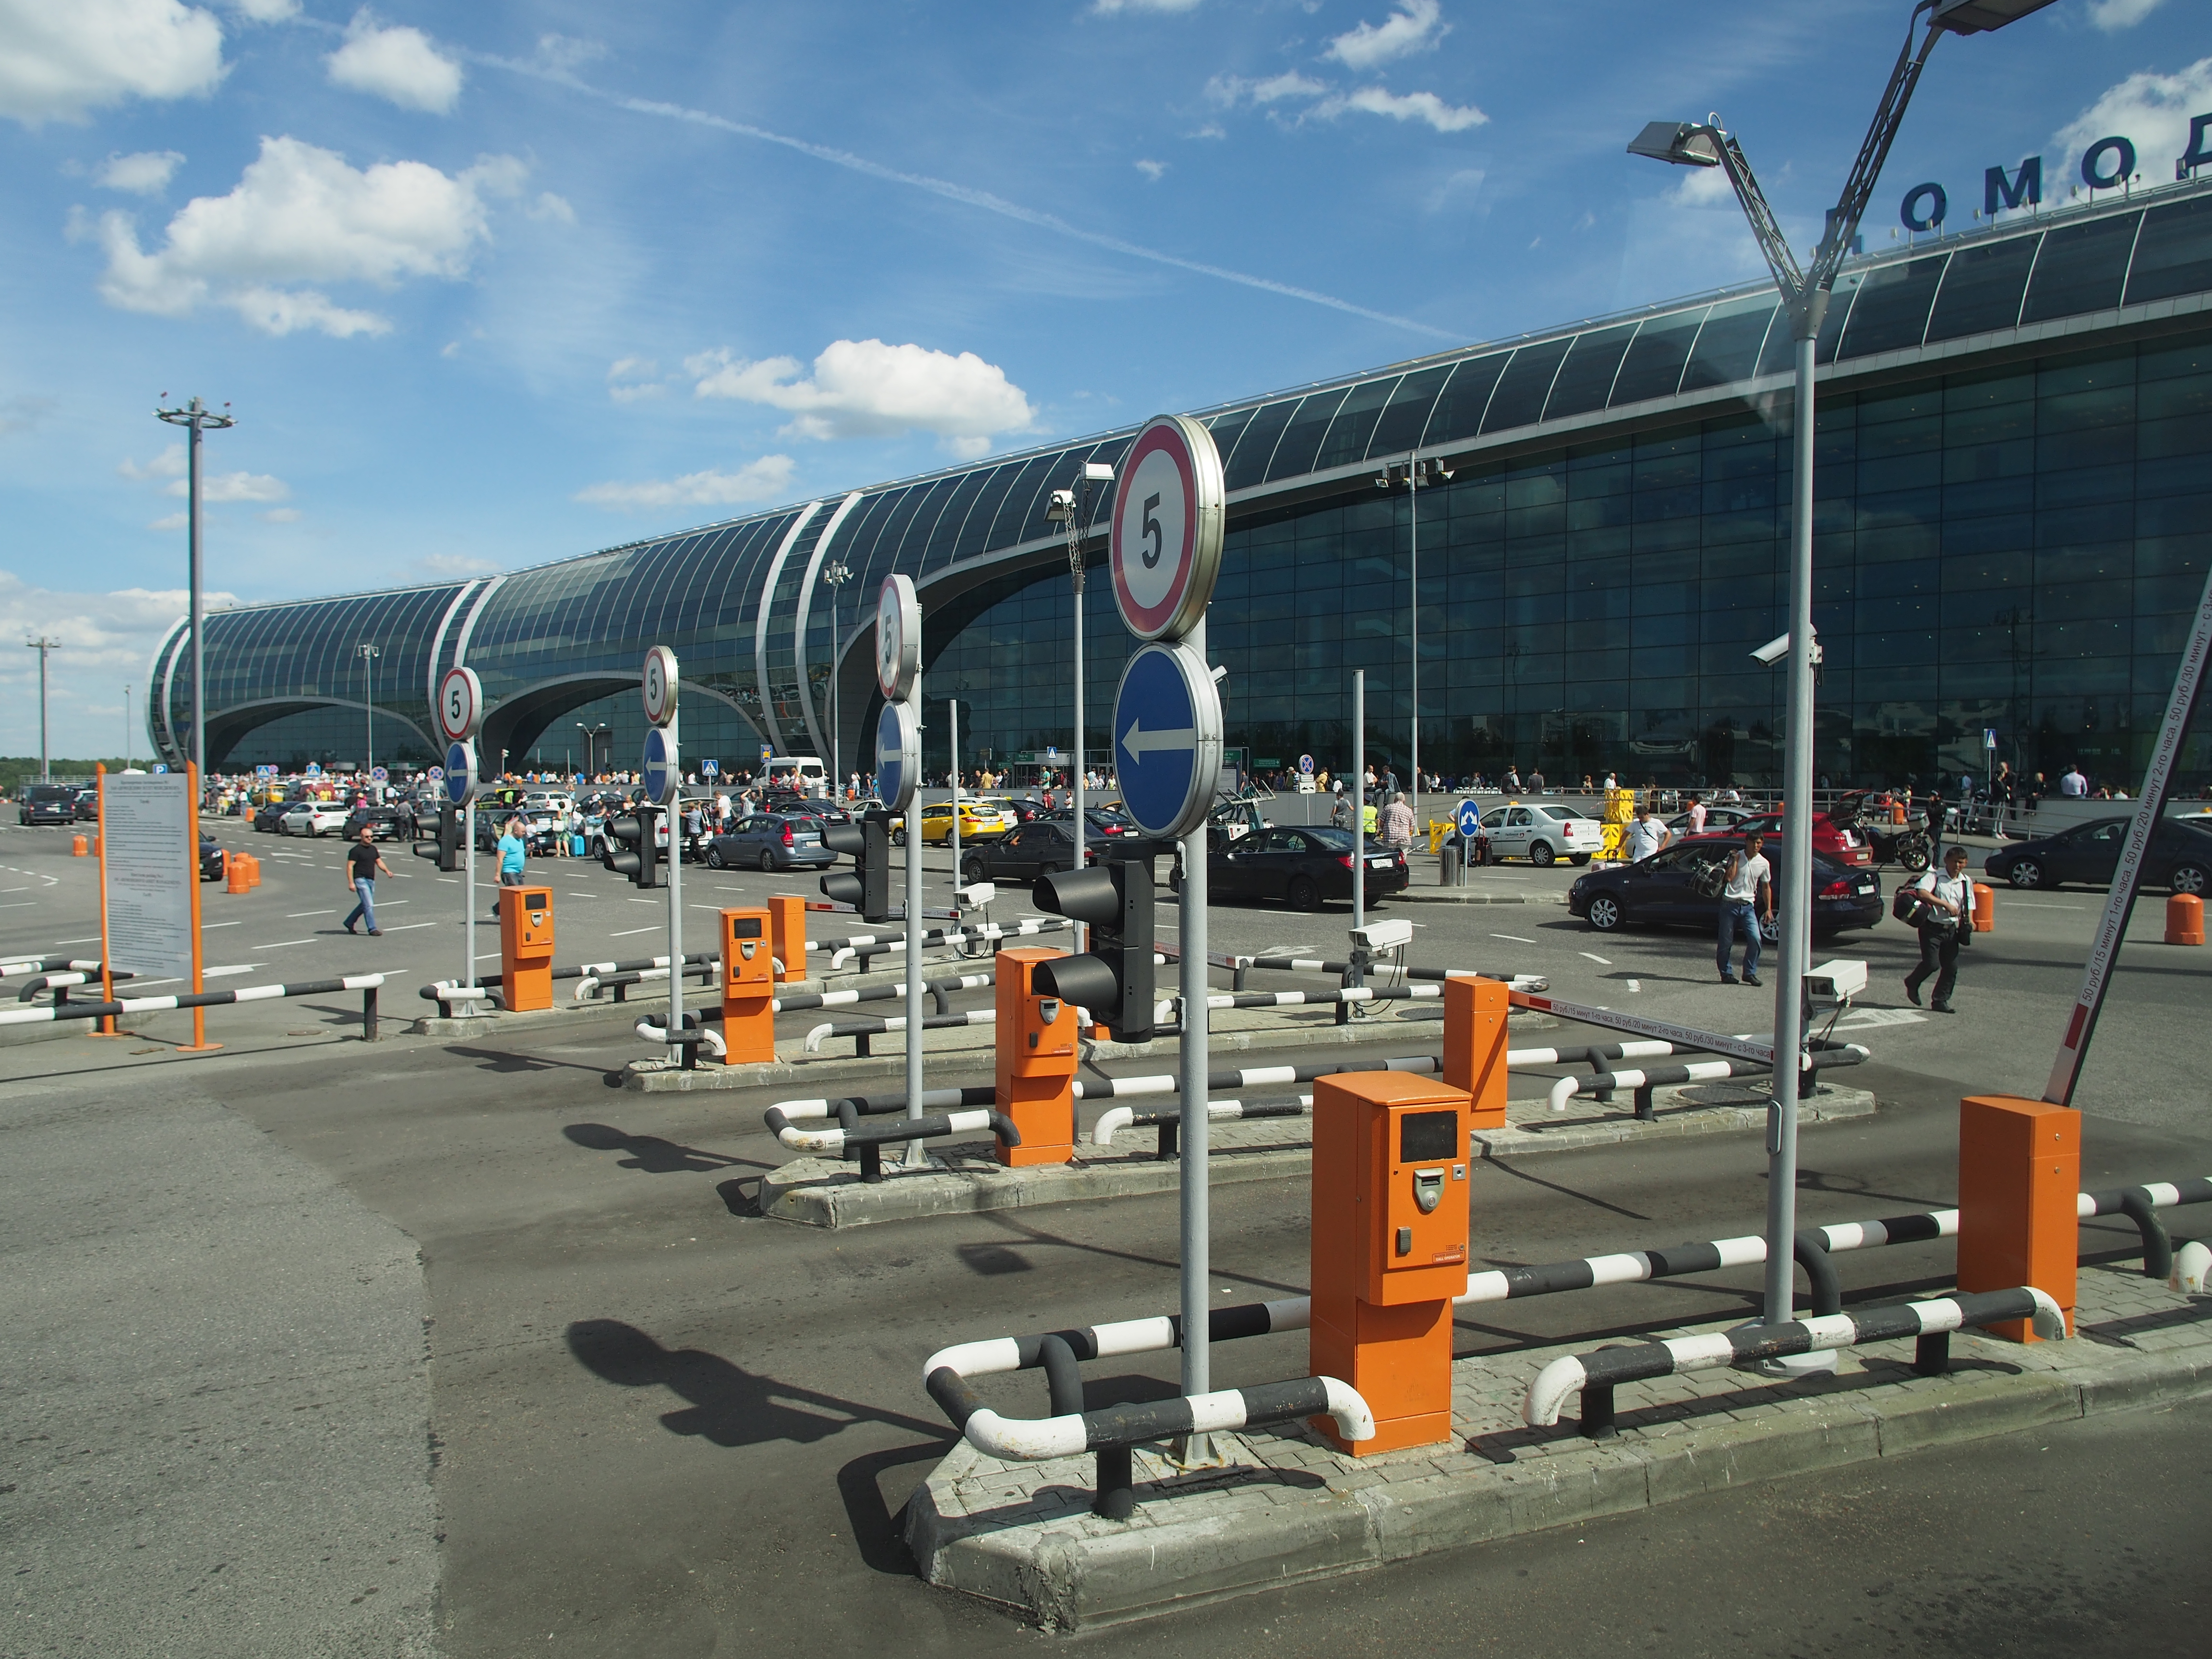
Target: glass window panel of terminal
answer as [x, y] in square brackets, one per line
[1355, 422]
[1653, 365]
[1727, 349]
[1301, 440]
[2173, 255]
[1585, 380]
[1404, 418]
[1892, 312]
[2081, 268]
[1256, 445]
[1519, 399]
[1983, 289]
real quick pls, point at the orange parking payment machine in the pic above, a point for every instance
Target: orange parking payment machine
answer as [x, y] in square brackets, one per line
[748, 988]
[1038, 1056]
[526, 948]
[1390, 1248]
[1474, 1046]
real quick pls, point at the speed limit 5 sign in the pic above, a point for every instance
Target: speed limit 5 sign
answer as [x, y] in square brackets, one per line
[1165, 548]
[460, 705]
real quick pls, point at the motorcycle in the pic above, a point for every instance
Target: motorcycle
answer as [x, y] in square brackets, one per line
[1907, 844]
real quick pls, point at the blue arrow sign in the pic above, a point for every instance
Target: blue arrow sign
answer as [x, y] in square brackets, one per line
[1470, 821]
[897, 757]
[1306, 765]
[660, 775]
[1167, 739]
[460, 774]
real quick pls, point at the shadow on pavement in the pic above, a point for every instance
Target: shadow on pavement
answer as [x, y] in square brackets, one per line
[650, 1153]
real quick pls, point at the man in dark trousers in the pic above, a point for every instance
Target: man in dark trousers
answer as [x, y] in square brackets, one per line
[1945, 918]
[363, 864]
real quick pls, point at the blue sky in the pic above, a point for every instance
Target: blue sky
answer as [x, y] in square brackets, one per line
[490, 285]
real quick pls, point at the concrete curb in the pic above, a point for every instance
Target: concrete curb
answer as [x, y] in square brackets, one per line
[1453, 896]
[819, 1191]
[1289, 1508]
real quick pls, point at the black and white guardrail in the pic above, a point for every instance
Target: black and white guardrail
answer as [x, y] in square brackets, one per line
[60, 983]
[865, 1028]
[124, 1007]
[1644, 1081]
[46, 965]
[862, 945]
[851, 1136]
[1114, 1118]
[1034, 1439]
[999, 1354]
[1594, 1376]
[450, 990]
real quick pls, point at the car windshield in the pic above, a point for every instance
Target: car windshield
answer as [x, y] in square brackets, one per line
[1335, 841]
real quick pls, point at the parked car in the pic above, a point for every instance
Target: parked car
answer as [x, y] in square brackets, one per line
[1717, 817]
[770, 841]
[1680, 886]
[1303, 867]
[1020, 811]
[313, 817]
[383, 823]
[791, 804]
[213, 867]
[47, 803]
[977, 823]
[1837, 840]
[269, 815]
[88, 803]
[2179, 858]
[1102, 822]
[1031, 850]
[1542, 833]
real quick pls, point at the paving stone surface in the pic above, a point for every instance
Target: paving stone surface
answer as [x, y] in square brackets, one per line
[1285, 1505]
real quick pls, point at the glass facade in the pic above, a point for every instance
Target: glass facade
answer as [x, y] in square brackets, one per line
[2013, 516]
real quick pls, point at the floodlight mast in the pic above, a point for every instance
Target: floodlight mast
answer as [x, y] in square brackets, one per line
[1805, 296]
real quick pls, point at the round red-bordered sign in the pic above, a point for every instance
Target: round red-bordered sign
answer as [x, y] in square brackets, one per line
[657, 684]
[1164, 551]
[460, 704]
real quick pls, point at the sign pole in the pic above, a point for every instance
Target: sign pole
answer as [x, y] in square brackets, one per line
[952, 714]
[199, 1044]
[107, 957]
[917, 1155]
[1358, 805]
[469, 895]
[674, 812]
[1196, 1130]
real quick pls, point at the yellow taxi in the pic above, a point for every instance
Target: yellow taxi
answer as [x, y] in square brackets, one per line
[978, 822]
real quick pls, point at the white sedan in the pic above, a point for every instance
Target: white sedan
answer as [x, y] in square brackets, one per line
[313, 818]
[1542, 834]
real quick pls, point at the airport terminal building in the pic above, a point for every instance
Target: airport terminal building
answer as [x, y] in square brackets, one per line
[2014, 522]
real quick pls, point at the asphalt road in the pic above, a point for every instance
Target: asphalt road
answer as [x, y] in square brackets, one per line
[656, 1423]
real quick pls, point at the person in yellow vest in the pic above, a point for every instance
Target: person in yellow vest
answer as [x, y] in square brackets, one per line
[1370, 823]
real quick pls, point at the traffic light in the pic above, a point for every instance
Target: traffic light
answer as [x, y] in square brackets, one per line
[638, 858]
[868, 889]
[447, 849]
[1115, 980]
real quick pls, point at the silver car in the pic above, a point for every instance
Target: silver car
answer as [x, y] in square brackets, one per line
[1542, 834]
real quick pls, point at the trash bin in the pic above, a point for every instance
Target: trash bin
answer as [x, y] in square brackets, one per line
[1449, 870]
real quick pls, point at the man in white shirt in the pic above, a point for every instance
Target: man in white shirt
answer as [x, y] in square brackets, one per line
[1746, 900]
[1697, 816]
[1947, 914]
[1646, 835]
[2074, 784]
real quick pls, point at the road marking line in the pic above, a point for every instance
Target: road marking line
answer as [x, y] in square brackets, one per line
[2031, 904]
[225, 973]
[295, 914]
[18, 904]
[1516, 938]
[627, 932]
[405, 926]
[94, 939]
[639, 900]
[1602, 961]
[281, 943]
[1636, 985]
[206, 924]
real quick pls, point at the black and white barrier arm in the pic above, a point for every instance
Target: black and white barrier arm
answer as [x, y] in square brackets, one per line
[447, 991]
[124, 1007]
[46, 965]
[861, 946]
[997, 1355]
[853, 1137]
[861, 1031]
[1241, 965]
[696, 1035]
[1114, 1118]
[59, 983]
[1596, 1375]
[590, 985]
[938, 990]
[1641, 1082]
[2140, 1204]
[1350, 993]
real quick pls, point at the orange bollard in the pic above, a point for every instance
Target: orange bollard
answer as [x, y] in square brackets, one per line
[748, 989]
[526, 948]
[95, 844]
[1985, 907]
[1036, 1059]
[1474, 1046]
[787, 927]
[78, 847]
[2020, 1169]
[1389, 1249]
[233, 873]
[2185, 920]
[253, 869]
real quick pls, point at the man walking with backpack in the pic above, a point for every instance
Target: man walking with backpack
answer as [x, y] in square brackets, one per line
[1945, 907]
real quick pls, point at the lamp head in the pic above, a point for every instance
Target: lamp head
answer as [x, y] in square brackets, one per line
[1684, 143]
[1061, 508]
[1097, 472]
[1979, 16]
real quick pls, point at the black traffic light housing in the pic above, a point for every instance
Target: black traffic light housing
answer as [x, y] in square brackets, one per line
[447, 849]
[868, 888]
[1115, 980]
[638, 859]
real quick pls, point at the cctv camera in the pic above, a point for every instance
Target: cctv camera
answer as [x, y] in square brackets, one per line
[1775, 649]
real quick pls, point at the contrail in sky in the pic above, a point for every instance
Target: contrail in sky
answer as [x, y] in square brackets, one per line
[965, 194]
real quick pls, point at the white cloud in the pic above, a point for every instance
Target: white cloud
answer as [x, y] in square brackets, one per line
[631, 379]
[266, 11]
[234, 486]
[299, 214]
[281, 515]
[550, 206]
[865, 389]
[1415, 26]
[61, 58]
[1403, 107]
[755, 481]
[398, 64]
[2113, 15]
[1229, 90]
[1700, 187]
[453, 564]
[174, 521]
[169, 463]
[146, 174]
[2152, 110]
[1110, 8]
[1153, 170]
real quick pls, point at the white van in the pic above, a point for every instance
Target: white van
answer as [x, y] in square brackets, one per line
[803, 773]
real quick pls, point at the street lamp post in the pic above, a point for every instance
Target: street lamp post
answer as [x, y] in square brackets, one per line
[1415, 474]
[1805, 298]
[368, 655]
[591, 746]
[838, 574]
[195, 417]
[42, 645]
[1071, 507]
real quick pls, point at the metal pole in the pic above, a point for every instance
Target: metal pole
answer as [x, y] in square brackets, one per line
[917, 1155]
[469, 893]
[1796, 881]
[675, 895]
[1075, 518]
[42, 645]
[1413, 509]
[1358, 799]
[1197, 1239]
[952, 712]
[192, 559]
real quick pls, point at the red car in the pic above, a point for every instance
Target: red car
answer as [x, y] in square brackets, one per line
[1830, 839]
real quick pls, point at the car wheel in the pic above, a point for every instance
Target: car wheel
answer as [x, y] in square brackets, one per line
[714, 858]
[767, 862]
[972, 871]
[1770, 930]
[2025, 874]
[898, 837]
[1541, 853]
[2188, 879]
[1579, 859]
[1304, 895]
[1605, 913]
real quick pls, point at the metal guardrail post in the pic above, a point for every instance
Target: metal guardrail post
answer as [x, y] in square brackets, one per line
[2158, 1244]
[368, 1015]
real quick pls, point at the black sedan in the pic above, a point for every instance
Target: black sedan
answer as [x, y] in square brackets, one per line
[1304, 867]
[212, 866]
[771, 841]
[88, 805]
[1037, 848]
[2179, 858]
[1681, 886]
[790, 804]
[266, 815]
[383, 823]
